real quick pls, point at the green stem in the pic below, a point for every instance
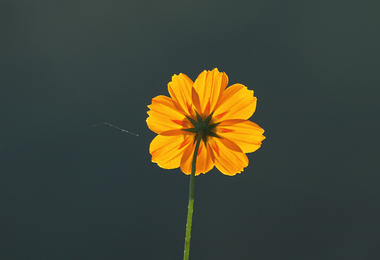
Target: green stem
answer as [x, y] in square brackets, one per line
[191, 201]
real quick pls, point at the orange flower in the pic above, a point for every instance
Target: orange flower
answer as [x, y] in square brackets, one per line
[208, 110]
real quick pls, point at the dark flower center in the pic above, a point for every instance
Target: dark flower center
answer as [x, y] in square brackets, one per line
[202, 128]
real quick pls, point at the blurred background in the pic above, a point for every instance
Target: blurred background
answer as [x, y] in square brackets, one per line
[72, 190]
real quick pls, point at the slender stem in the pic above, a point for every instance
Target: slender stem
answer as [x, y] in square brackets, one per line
[191, 201]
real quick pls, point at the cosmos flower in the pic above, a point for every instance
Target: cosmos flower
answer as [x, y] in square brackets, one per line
[209, 111]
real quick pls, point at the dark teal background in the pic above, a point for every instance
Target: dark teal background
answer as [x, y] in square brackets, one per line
[71, 191]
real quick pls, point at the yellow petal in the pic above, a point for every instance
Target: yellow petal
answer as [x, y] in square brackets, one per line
[187, 158]
[164, 116]
[180, 91]
[246, 134]
[205, 160]
[230, 159]
[174, 132]
[237, 102]
[204, 163]
[210, 86]
[167, 151]
[196, 101]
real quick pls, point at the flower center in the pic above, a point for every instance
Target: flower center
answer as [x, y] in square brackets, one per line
[202, 128]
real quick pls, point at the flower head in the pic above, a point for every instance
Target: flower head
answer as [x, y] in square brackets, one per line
[208, 110]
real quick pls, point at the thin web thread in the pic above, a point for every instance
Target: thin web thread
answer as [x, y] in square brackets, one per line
[121, 129]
